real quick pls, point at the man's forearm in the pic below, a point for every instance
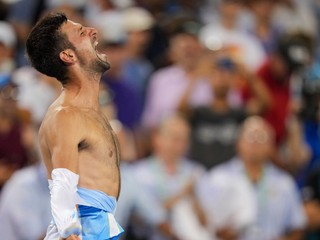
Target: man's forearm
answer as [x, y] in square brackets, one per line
[63, 192]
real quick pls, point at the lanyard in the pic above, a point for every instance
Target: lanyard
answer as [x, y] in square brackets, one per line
[262, 196]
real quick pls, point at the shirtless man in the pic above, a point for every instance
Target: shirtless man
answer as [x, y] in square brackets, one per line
[78, 146]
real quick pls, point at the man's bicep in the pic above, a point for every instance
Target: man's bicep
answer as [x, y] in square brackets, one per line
[65, 156]
[63, 145]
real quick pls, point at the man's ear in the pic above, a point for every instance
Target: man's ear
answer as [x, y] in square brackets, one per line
[68, 56]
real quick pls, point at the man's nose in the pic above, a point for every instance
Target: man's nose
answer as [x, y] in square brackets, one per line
[92, 32]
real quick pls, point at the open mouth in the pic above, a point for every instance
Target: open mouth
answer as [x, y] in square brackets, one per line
[95, 45]
[101, 55]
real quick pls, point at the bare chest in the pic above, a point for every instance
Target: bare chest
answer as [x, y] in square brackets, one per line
[99, 140]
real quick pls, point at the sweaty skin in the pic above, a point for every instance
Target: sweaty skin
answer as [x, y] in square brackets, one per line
[74, 133]
[84, 136]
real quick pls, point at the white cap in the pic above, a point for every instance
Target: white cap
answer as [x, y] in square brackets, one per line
[7, 35]
[110, 27]
[122, 3]
[137, 19]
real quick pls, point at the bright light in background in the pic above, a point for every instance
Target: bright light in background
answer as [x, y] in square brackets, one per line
[213, 43]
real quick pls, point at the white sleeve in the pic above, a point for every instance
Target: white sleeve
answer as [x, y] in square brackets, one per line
[63, 190]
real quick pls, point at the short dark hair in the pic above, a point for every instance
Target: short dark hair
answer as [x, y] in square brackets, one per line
[44, 44]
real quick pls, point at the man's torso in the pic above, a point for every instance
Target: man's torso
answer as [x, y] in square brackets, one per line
[98, 152]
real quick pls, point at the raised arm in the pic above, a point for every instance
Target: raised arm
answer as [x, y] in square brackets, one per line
[262, 97]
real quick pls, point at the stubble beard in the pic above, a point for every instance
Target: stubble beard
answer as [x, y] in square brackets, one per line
[99, 66]
[95, 66]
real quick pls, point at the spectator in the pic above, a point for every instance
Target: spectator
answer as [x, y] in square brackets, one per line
[262, 27]
[25, 205]
[215, 126]
[136, 69]
[185, 51]
[279, 209]
[135, 203]
[124, 97]
[167, 175]
[277, 74]
[22, 15]
[7, 48]
[228, 202]
[36, 92]
[210, 81]
[295, 16]
[225, 34]
[13, 141]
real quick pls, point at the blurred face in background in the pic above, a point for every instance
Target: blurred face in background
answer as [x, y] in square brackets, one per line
[262, 8]
[185, 50]
[222, 77]
[279, 67]
[6, 53]
[230, 8]
[256, 140]
[171, 140]
[8, 103]
[139, 39]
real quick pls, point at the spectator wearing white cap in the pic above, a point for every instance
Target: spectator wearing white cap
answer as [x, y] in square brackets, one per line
[7, 47]
[137, 23]
[125, 33]
[113, 37]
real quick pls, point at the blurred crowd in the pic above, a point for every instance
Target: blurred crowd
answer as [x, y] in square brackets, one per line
[215, 104]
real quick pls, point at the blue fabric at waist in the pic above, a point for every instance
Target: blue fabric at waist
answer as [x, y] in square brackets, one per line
[98, 199]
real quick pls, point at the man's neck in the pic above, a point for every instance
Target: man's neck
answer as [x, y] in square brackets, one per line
[220, 105]
[83, 92]
[254, 170]
[169, 163]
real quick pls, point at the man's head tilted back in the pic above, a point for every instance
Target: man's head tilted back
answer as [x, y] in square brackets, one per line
[44, 44]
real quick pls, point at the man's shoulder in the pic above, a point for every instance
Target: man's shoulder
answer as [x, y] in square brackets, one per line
[61, 118]
[279, 176]
[230, 167]
[62, 113]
